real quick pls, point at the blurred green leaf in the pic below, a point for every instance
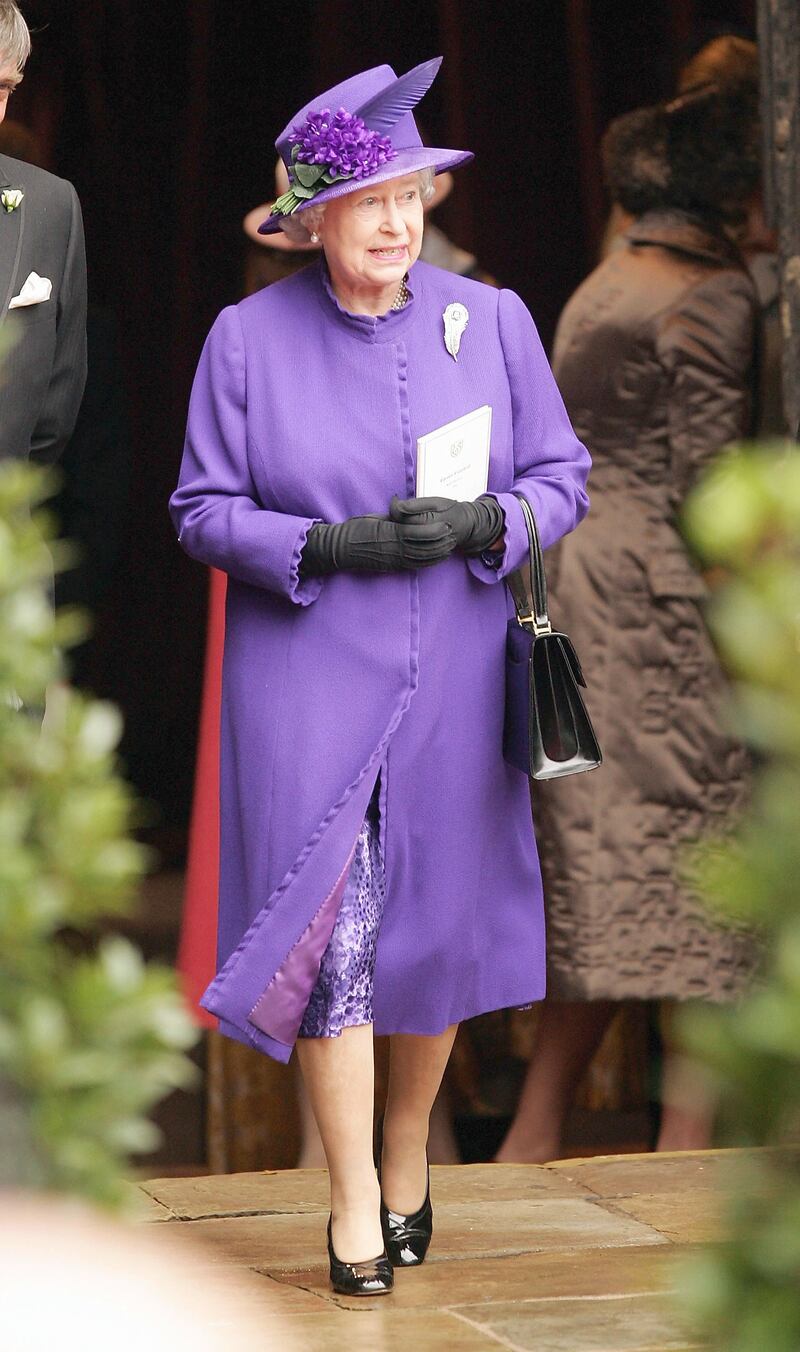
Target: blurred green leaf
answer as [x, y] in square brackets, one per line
[745, 517]
[91, 1036]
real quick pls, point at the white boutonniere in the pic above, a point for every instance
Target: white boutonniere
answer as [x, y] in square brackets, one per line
[10, 198]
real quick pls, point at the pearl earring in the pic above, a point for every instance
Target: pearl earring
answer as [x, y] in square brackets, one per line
[314, 237]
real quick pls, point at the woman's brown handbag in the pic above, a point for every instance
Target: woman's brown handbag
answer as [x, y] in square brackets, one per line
[547, 732]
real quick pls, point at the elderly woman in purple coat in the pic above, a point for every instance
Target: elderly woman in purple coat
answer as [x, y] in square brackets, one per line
[378, 866]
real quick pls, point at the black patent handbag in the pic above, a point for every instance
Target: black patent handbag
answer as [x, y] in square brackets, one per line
[548, 732]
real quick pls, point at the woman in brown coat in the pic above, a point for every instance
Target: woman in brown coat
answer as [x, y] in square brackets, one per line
[654, 357]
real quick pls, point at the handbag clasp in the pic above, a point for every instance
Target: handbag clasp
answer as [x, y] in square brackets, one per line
[539, 627]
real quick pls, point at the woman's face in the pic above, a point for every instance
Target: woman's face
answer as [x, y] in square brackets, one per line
[372, 236]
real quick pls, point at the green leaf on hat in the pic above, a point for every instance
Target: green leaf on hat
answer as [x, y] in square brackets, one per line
[308, 174]
[300, 191]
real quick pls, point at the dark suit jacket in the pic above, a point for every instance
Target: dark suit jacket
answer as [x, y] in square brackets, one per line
[43, 359]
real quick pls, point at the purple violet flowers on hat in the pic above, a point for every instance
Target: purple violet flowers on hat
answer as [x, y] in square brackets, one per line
[329, 147]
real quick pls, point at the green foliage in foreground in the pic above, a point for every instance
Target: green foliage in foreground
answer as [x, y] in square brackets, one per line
[91, 1037]
[745, 519]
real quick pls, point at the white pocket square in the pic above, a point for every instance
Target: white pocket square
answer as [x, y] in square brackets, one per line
[35, 290]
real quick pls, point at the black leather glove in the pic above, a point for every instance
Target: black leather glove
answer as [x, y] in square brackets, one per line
[476, 525]
[374, 544]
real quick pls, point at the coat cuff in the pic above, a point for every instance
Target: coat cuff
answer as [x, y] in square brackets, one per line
[515, 549]
[302, 590]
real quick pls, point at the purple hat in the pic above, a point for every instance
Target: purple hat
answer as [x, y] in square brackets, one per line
[370, 136]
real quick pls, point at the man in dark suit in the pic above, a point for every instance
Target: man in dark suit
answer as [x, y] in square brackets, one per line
[42, 287]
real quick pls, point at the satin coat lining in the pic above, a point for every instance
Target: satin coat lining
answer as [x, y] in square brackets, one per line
[279, 1010]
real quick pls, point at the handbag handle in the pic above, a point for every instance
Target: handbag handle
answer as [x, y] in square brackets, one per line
[530, 594]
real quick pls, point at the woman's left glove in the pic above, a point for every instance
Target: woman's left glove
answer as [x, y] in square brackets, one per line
[476, 525]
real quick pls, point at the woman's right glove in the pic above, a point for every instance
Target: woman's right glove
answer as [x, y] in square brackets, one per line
[476, 525]
[374, 544]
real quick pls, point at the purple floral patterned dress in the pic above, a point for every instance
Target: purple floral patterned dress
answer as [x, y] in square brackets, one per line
[342, 996]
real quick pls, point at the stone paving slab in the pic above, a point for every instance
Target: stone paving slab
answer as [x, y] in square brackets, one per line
[262, 1295]
[528, 1276]
[306, 1190]
[378, 1329]
[626, 1175]
[295, 1242]
[465, 1229]
[271, 1243]
[251, 1194]
[676, 1216]
[500, 1182]
[143, 1207]
[577, 1256]
[637, 1323]
[269, 1296]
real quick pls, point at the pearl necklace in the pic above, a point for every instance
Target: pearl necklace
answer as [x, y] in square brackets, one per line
[402, 296]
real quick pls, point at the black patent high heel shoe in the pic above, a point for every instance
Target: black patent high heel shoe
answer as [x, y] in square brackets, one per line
[373, 1278]
[407, 1238]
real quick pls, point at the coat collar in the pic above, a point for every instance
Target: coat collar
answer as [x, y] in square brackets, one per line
[687, 234]
[386, 328]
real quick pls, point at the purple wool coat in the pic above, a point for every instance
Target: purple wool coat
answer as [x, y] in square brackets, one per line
[302, 412]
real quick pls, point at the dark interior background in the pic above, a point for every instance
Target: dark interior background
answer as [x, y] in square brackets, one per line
[164, 113]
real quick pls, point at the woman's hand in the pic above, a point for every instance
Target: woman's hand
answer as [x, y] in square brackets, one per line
[374, 544]
[477, 525]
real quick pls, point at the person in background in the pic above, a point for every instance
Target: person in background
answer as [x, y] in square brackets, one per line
[732, 59]
[42, 286]
[95, 464]
[654, 358]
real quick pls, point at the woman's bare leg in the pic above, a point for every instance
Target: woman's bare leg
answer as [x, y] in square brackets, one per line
[567, 1037]
[442, 1143]
[339, 1076]
[312, 1152]
[416, 1067]
[687, 1105]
